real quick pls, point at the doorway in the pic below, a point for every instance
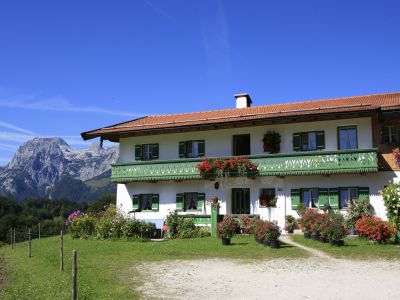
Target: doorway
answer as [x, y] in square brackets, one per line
[241, 201]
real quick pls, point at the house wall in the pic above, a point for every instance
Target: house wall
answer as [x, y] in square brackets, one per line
[167, 191]
[219, 142]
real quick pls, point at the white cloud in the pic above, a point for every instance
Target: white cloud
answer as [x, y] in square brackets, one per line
[16, 128]
[8, 147]
[59, 104]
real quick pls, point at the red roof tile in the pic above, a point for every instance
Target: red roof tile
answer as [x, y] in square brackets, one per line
[304, 108]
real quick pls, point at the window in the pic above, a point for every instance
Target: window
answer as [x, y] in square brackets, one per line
[390, 135]
[346, 195]
[191, 149]
[190, 201]
[146, 152]
[309, 141]
[347, 138]
[145, 202]
[310, 197]
[241, 144]
[266, 195]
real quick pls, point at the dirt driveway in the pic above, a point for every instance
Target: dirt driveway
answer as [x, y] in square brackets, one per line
[312, 278]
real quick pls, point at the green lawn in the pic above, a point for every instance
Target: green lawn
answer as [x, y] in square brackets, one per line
[106, 268]
[353, 249]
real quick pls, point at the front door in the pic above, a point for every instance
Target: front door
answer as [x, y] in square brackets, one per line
[240, 201]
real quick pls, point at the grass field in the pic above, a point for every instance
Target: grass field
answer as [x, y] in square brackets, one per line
[353, 249]
[106, 269]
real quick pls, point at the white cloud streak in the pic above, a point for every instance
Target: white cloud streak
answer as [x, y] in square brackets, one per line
[61, 104]
[8, 147]
[16, 128]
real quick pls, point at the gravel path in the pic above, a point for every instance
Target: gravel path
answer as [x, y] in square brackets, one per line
[318, 277]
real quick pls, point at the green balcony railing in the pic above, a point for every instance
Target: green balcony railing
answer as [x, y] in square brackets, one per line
[299, 163]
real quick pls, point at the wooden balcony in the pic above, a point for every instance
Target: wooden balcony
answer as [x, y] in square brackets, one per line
[299, 163]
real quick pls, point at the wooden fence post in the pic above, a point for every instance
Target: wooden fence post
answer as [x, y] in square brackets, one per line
[62, 252]
[29, 242]
[11, 238]
[74, 274]
[14, 237]
[39, 231]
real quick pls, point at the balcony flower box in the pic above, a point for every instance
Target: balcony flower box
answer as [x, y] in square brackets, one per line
[227, 167]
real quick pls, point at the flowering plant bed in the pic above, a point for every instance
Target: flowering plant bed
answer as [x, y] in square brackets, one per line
[375, 229]
[211, 168]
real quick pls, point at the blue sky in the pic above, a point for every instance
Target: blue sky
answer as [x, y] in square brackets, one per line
[71, 66]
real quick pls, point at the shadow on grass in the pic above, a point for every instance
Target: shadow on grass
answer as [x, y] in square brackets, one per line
[239, 244]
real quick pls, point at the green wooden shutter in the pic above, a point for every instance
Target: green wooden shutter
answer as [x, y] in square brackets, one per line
[155, 202]
[138, 152]
[334, 197]
[323, 196]
[155, 151]
[201, 149]
[179, 201]
[182, 148]
[320, 140]
[200, 201]
[135, 202]
[295, 198]
[363, 193]
[296, 142]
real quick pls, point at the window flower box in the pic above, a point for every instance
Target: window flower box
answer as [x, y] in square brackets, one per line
[227, 167]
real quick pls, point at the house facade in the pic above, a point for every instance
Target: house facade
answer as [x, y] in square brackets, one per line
[329, 152]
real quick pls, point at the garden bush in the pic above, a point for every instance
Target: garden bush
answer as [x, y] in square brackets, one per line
[335, 229]
[82, 226]
[391, 199]
[358, 209]
[375, 229]
[108, 224]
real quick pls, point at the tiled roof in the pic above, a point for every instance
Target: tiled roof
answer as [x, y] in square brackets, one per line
[305, 108]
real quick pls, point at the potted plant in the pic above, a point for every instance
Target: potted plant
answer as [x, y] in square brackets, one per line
[290, 223]
[272, 233]
[336, 231]
[245, 224]
[226, 229]
[272, 142]
[323, 226]
[255, 229]
[307, 221]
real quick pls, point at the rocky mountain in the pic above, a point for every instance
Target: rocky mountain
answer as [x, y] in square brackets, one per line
[49, 167]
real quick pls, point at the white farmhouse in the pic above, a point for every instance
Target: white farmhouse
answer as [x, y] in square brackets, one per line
[330, 152]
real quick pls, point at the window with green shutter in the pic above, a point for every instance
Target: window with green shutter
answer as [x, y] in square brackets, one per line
[135, 202]
[179, 201]
[334, 198]
[138, 152]
[323, 197]
[146, 152]
[155, 202]
[191, 149]
[296, 142]
[201, 197]
[309, 141]
[295, 198]
[320, 140]
[363, 193]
